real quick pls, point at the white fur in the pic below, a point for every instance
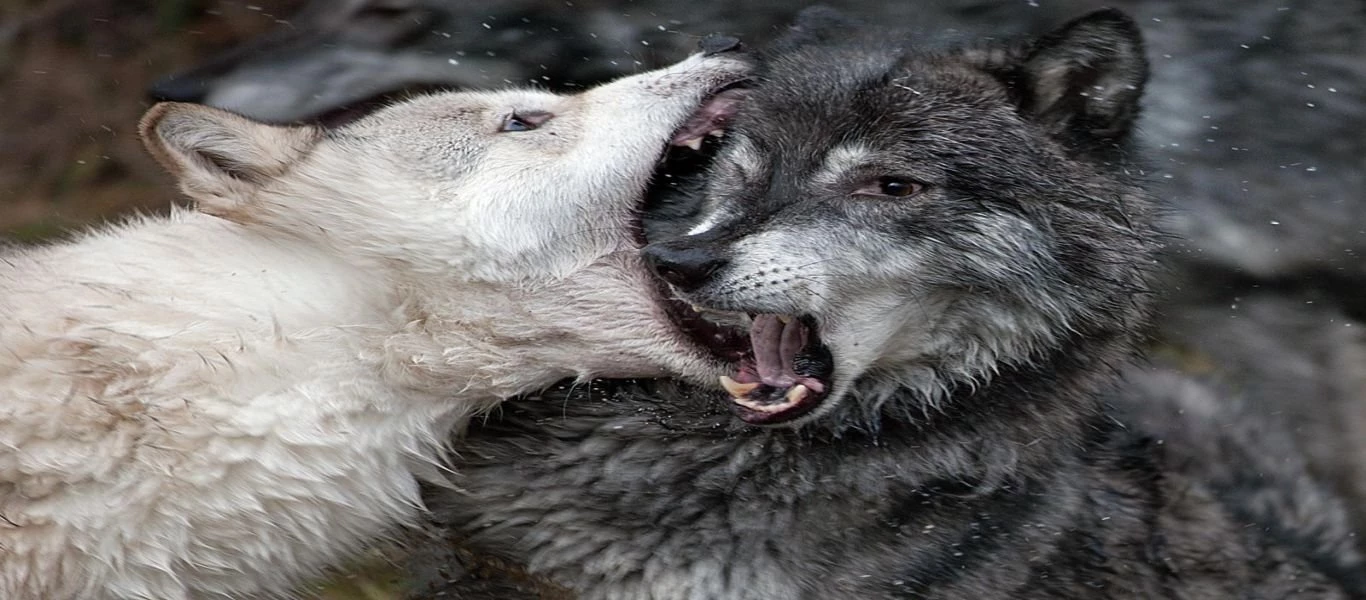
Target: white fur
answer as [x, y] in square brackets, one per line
[840, 161]
[221, 403]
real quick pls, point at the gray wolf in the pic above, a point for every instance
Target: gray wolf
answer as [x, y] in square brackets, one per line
[223, 402]
[930, 266]
[1260, 156]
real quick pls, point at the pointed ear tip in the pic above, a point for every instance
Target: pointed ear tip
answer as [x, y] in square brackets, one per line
[151, 138]
[152, 117]
[155, 116]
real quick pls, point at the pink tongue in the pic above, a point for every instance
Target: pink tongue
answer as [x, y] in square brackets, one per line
[776, 345]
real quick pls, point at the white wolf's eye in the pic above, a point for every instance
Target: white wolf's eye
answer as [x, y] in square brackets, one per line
[525, 121]
[896, 187]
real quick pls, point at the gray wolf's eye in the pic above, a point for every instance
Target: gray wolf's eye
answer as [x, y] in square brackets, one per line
[525, 121]
[896, 187]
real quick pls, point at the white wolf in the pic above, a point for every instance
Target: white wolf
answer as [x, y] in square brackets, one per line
[223, 402]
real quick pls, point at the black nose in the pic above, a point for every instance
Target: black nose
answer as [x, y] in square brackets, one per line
[716, 44]
[686, 267]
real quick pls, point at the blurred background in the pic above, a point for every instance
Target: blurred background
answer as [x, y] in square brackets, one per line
[1255, 126]
[74, 76]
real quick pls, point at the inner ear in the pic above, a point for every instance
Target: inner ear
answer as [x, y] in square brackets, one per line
[219, 157]
[190, 135]
[1086, 78]
[229, 165]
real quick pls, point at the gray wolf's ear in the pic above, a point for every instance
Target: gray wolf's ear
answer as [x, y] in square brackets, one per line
[219, 158]
[1086, 77]
[815, 25]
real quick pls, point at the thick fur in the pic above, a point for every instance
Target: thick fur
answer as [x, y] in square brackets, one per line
[225, 401]
[1252, 119]
[977, 329]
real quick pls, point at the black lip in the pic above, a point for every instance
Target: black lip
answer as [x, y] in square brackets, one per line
[754, 417]
[728, 344]
[741, 83]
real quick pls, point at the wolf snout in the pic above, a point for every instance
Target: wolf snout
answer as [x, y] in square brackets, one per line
[685, 266]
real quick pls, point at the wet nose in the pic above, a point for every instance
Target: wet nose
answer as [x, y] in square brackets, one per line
[686, 267]
[716, 44]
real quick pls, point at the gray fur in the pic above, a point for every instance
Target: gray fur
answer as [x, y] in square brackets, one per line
[978, 330]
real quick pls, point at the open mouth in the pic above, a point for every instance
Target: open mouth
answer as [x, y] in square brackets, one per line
[782, 370]
[683, 162]
[785, 374]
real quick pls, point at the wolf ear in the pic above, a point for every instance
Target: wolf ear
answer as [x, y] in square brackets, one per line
[219, 158]
[1086, 77]
[814, 25]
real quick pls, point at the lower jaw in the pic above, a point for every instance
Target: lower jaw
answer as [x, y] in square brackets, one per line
[773, 419]
[764, 404]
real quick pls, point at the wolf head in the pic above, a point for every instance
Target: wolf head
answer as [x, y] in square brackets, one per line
[512, 215]
[885, 217]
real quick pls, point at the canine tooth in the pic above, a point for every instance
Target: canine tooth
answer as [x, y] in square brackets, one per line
[797, 394]
[736, 389]
[694, 143]
[785, 319]
[717, 133]
[696, 308]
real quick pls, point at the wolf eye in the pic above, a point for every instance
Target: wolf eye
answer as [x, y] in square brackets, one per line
[526, 121]
[895, 187]
[898, 187]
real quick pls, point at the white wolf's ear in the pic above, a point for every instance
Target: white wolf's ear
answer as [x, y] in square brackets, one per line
[219, 158]
[1086, 77]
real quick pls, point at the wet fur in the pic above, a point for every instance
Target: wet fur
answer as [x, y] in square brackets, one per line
[224, 402]
[1259, 156]
[981, 330]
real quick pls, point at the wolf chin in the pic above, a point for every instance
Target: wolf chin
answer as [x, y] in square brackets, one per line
[223, 402]
[928, 266]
